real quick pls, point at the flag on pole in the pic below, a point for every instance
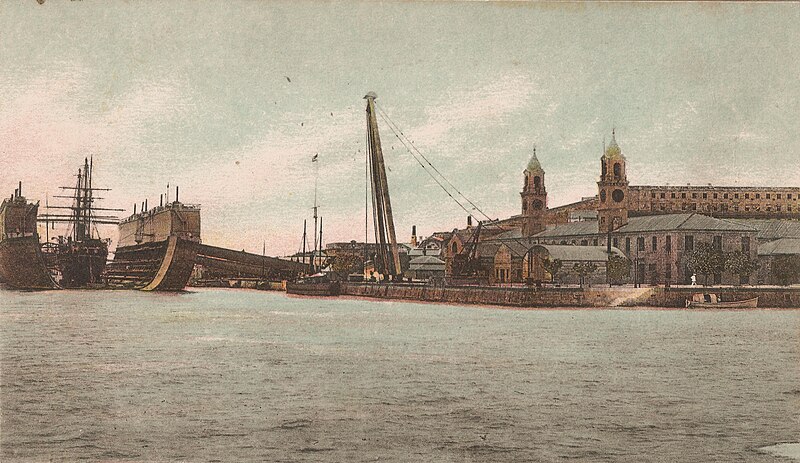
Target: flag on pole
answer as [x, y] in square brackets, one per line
[314, 158]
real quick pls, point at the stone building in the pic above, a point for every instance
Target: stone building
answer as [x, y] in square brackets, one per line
[656, 227]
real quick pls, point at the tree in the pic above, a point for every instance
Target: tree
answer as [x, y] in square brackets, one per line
[740, 264]
[552, 267]
[346, 263]
[706, 261]
[584, 269]
[618, 269]
[785, 270]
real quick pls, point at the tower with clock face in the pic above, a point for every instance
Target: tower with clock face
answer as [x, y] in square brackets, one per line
[612, 209]
[534, 198]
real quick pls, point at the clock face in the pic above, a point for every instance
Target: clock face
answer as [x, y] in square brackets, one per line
[537, 205]
[618, 195]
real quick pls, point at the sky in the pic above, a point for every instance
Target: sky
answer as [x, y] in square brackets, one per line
[230, 100]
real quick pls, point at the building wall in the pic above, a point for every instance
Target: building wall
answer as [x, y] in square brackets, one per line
[662, 265]
[159, 223]
[721, 201]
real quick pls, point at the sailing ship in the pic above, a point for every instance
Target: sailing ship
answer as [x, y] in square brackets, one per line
[78, 258]
[22, 265]
[387, 257]
[157, 247]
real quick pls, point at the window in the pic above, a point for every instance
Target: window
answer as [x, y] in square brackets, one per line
[663, 195]
[736, 195]
[689, 243]
[778, 196]
[455, 248]
[616, 242]
[717, 243]
[747, 196]
[655, 244]
[668, 272]
[758, 195]
[788, 196]
[640, 243]
[767, 195]
[627, 245]
[683, 195]
[672, 195]
[653, 194]
[705, 195]
[617, 169]
[595, 242]
[725, 196]
[584, 242]
[694, 195]
[668, 244]
[746, 244]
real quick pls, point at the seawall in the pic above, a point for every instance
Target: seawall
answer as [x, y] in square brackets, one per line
[599, 296]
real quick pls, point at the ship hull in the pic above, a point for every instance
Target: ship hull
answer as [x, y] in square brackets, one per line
[157, 266]
[324, 288]
[80, 265]
[22, 265]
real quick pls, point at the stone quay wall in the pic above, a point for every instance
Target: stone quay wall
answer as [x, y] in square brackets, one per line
[769, 297]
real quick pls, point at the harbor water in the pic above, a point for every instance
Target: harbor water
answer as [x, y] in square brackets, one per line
[238, 375]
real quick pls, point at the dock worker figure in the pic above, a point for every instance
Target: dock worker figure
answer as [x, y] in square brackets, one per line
[694, 279]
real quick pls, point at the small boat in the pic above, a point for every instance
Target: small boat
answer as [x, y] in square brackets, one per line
[712, 301]
[315, 285]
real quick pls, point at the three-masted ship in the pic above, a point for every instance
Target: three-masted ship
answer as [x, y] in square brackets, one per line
[157, 247]
[22, 265]
[78, 258]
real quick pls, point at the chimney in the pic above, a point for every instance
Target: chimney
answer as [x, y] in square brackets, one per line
[145, 205]
[176, 195]
[161, 200]
[414, 235]
[19, 191]
[134, 208]
[469, 221]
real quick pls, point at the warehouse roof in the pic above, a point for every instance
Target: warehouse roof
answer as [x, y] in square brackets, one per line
[780, 246]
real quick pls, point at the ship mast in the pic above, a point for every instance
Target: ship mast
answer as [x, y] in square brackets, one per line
[385, 236]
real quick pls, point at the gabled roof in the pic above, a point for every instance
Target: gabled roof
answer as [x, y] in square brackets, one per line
[425, 261]
[772, 229]
[689, 221]
[779, 247]
[578, 253]
[570, 229]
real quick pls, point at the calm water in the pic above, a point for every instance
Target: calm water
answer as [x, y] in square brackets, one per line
[219, 375]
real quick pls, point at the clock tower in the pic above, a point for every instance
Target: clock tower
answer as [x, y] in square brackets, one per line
[612, 209]
[534, 198]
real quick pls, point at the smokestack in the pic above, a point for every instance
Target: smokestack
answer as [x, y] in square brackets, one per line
[161, 200]
[469, 221]
[134, 208]
[414, 235]
[145, 205]
[19, 191]
[176, 195]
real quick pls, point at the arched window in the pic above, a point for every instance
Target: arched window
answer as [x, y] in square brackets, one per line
[617, 169]
[537, 181]
[455, 248]
[604, 168]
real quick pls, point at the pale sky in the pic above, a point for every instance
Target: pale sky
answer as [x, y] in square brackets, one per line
[198, 94]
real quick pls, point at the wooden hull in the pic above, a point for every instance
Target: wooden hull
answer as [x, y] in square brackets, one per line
[745, 304]
[160, 266]
[327, 288]
[22, 265]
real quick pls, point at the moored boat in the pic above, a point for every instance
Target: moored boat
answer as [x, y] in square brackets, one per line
[22, 265]
[712, 301]
[316, 285]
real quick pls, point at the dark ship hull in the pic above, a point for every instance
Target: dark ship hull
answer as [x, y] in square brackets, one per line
[80, 265]
[22, 265]
[313, 288]
[157, 266]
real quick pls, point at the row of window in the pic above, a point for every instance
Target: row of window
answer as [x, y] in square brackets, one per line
[723, 207]
[776, 196]
[641, 243]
